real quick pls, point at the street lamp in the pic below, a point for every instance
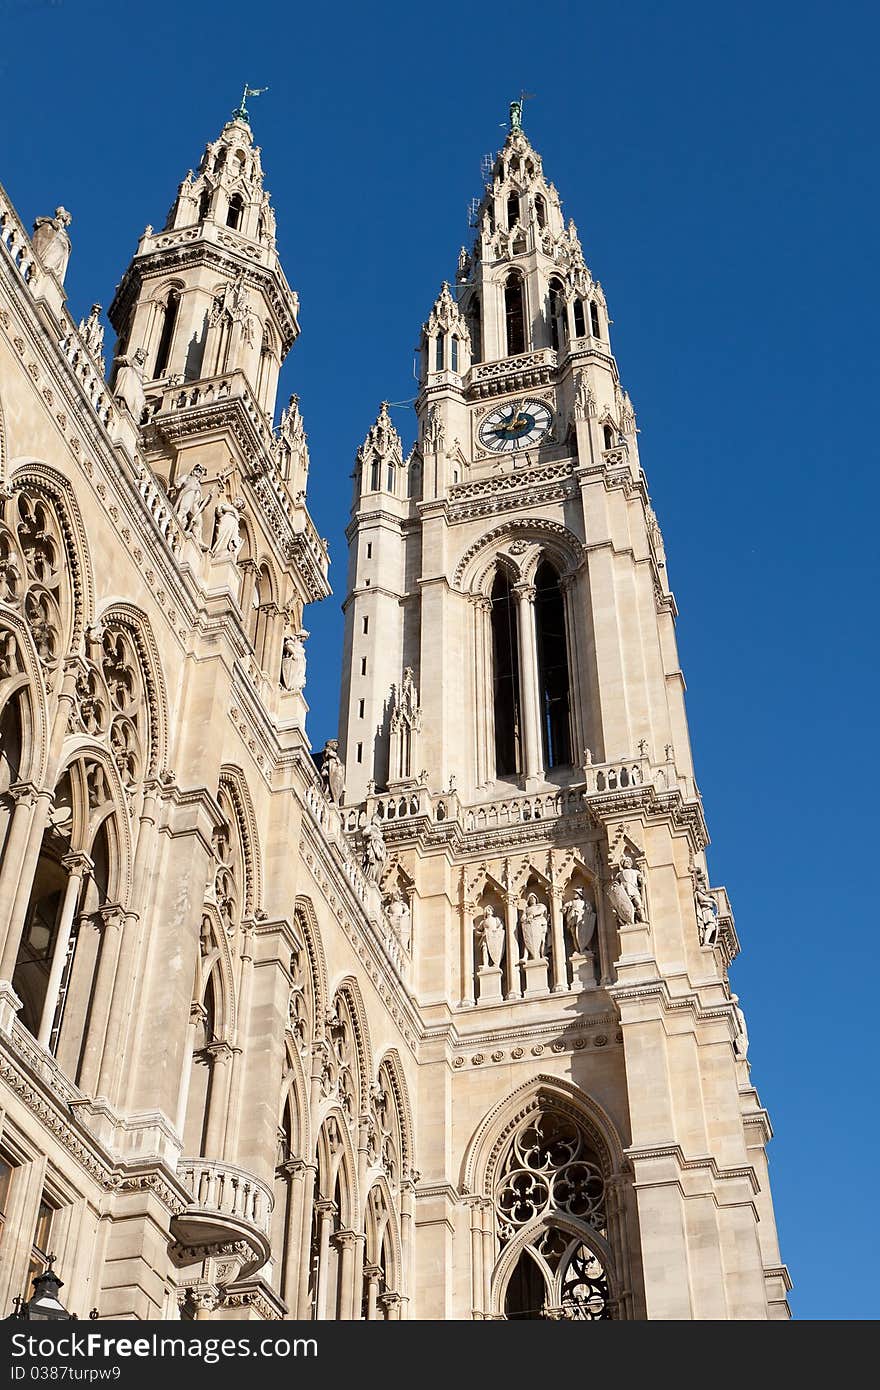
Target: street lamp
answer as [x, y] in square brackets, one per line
[44, 1305]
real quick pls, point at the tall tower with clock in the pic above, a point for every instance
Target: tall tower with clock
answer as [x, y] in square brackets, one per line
[518, 773]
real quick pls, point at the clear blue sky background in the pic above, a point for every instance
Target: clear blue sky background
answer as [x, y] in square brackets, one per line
[721, 164]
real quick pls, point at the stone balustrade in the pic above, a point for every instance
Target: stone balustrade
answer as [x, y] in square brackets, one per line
[87, 372]
[16, 241]
[229, 1207]
[159, 506]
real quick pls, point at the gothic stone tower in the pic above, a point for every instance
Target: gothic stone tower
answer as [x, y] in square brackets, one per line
[517, 763]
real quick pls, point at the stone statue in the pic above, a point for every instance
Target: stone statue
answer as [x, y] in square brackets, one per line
[741, 1042]
[375, 850]
[707, 909]
[129, 383]
[333, 771]
[516, 115]
[188, 502]
[490, 937]
[51, 242]
[625, 893]
[534, 922]
[400, 918]
[293, 663]
[579, 916]
[227, 529]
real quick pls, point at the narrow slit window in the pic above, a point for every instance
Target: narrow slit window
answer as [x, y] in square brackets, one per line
[369, 550]
[515, 314]
[453, 358]
[360, 753]
[366, 625]
[512, 210]
[580, 327]
[361, 704]
[363, 665]
[438, 354]
[594, 319]
[236, 212]
[169, 322]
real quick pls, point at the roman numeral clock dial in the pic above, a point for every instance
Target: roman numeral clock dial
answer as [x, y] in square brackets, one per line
[515, 425]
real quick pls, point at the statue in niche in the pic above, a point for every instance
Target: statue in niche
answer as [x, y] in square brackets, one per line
[741, 1042]
[534, 922]
[129, 384]
[228, 539]
[707, 909]
[579, 916]
[490, 938]
[625, 893]
[400, 918]
[332, 771]
[188, 501]
[51, 242]
[293, 662]
[375, 849]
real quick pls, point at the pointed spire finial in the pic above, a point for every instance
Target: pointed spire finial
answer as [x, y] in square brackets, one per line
[241, 112]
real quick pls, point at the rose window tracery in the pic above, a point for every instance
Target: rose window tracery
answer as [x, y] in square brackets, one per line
[549, 1167]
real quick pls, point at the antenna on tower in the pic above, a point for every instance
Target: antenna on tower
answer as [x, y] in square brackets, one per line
[486, 167]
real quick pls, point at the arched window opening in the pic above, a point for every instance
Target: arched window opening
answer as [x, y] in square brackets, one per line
[261, 621]
[505, 680]
[374, 474]
[286, 1240]
[557, 314]
[11, 747]
[49, 922]
[475, 327]
[580, 326]
[169, 323]
[235, 212]
[220, 160]
[204, 204]
[608, 434]
[552, 667]
[438, 353]
[515, 314]
[541, 210]
[594, 319]
[390, 478]
[73, 1014]
[453, 360]
[526, 1294]
[512, 210]
[415, 479]
[198, 1106]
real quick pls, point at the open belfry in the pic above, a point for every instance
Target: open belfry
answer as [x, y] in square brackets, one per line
[432, 1023]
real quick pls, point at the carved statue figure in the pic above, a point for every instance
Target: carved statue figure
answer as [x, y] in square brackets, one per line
[579, 916]
[375, 850]
[227, 529]
[129, 385]
[400, 918]
[490, 937]
[534, 922]
[707, 909]
[293, 663]
[91, 330]
[188, 502]
[333, 771]
[51, 242]
[741, 1043]
[625, 893]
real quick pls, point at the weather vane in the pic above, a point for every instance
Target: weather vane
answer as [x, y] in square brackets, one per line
[241, 112]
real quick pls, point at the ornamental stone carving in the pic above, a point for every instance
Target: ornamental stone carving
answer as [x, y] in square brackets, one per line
[533, 926]
[625, 893]
[707, 909]
[579, 916]
[52, 244]
[228, 539]
[293, 662]
[490, 938]
[375, 850]
[332, 771]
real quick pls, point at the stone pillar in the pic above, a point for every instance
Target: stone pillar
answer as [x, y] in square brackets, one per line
[557, 942]
[25, 795]
[305, 1241]
[390, 1302]
[372, 1274]
[245, 980]
[477, 1307]
[293, 1254]
[346, 1243]
[511, 948]
[114, 924]
[484, 708]
[326, 1212]
[19, 873]
[407, 1205]
[77, 866]
[577, 686]
[218, 1099]
[530, 691]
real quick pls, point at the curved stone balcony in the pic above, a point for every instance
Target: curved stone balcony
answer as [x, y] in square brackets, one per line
[229, 1215]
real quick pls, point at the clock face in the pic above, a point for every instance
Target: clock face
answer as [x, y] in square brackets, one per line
[515, 425]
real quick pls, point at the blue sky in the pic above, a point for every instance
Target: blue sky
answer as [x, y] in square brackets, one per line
[721, 165]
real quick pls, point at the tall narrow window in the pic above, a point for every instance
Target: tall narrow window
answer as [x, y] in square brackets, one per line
[204, 204]
[453, 359]
[608, 432]
[505, 680]
[236, 212]
[512, 210]
[169, 322]
[541, 211]
[514, 314]
[374, 476]
[594, 319]
[389, 477]
[475, 325]
[580, 326]
[552, 667]
[557, 314]
[438, 354]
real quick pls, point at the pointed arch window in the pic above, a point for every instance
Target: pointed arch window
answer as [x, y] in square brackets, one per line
[505, 679]
[512, 210]
[390, 477]
[608, 434]
[438, 354]
[594, 319]
[580, 325]
[557, 313]
[235, 212]
[375, 474]
[166, 337]
[541, 210]
[515, 314]
[453, 359]
[204, 204]
[552, 667]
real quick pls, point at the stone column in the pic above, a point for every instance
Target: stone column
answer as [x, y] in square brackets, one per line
[557, 942]
[326, 1212]
[577, 686]
[346, 1243]
[114, 924]
[218, 1099]
[468, 913]
[390, 1302]
[19, 876]
[407, 1207]
[484, 708]
[372, 1274]
[530, 692]
[25, 795]
[245, 980]
[294, 1255]
[77, 866]
[477, 1308]
[511, 951]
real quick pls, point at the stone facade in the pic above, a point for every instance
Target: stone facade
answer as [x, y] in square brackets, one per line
[436, 1023]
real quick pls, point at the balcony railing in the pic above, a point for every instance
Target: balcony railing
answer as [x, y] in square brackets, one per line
[228, 1205]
